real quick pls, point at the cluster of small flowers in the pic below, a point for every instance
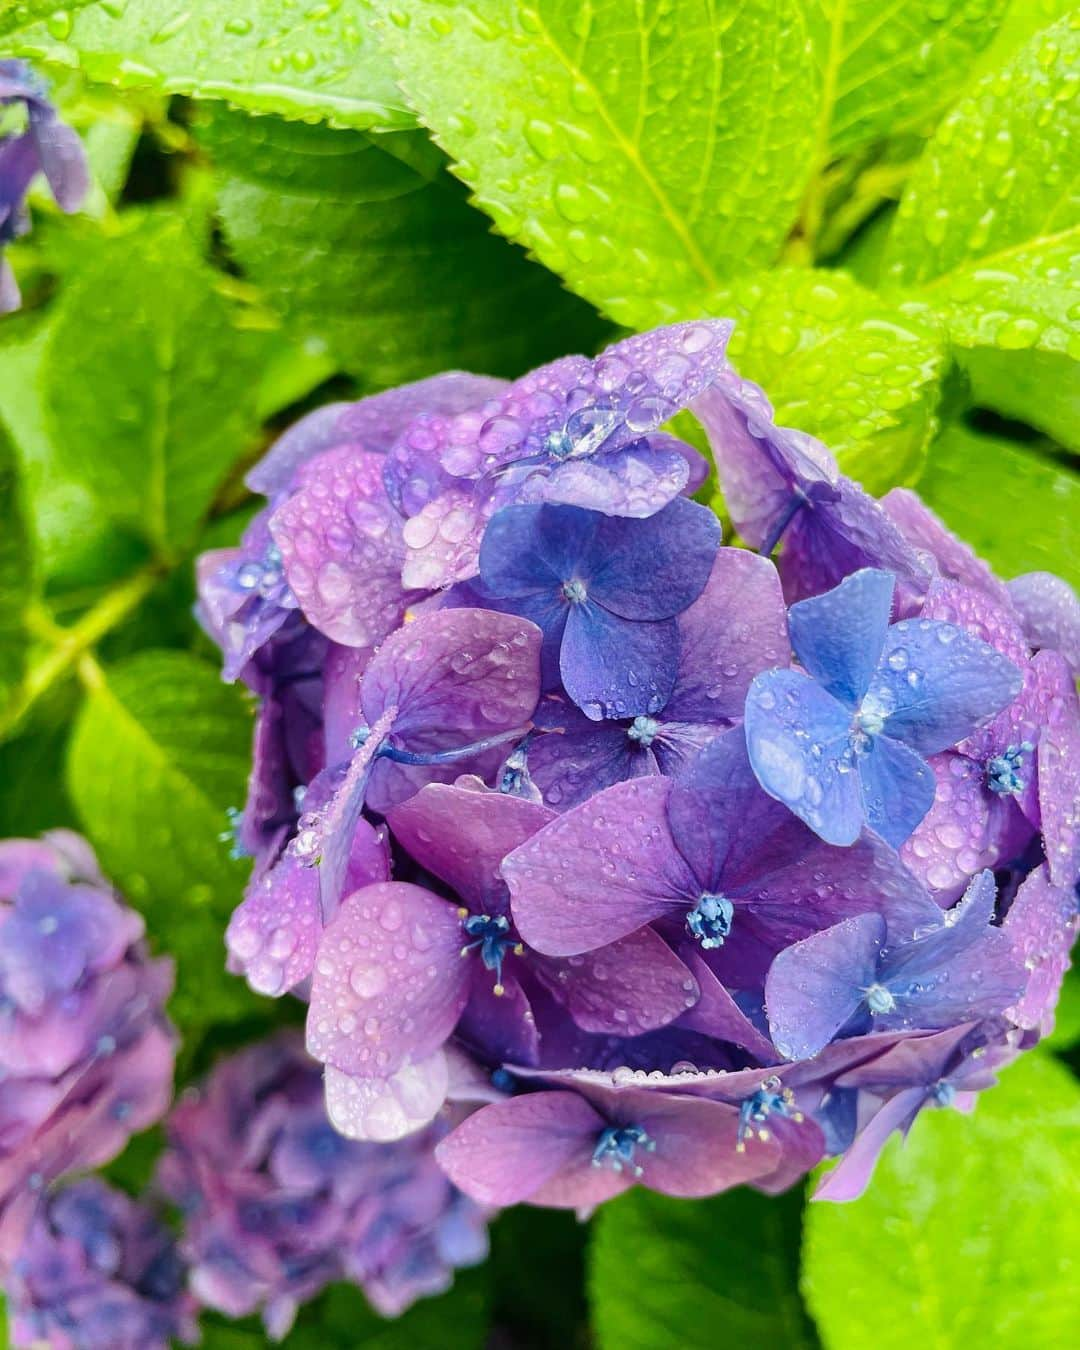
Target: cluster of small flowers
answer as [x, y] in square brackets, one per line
[671, 862]
[38, 143]
[277, 1204]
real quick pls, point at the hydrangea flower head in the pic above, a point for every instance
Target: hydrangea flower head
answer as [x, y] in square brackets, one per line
[612, 856]
[97, 1271]
[86, 1054]
[42, 144]
[277, 1204]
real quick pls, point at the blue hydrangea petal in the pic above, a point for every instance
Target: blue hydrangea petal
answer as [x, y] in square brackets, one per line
[817, 986]
[798, 739]
[898, 788]
[655, 568]
[612, 667]
[936, 683]
[838, 636]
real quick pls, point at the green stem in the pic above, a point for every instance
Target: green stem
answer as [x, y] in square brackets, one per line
[65, 647]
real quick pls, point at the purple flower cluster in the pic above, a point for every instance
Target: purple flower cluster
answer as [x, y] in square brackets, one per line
[682, 864]
[277, 1204]
[97, 1271]
[40, 144]
[86, 1053]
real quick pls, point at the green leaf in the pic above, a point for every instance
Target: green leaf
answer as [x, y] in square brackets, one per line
[15, 14]
[885, 68]
[697, 1273]
[368, 243]
[18, 574]
[539, 1314]
[159, 750]
[148, 385]
[837, 362]
[969, 1232]
[1066, 1032]
[1016, 507]
[989, 229]
[311, 60]
[644, 153]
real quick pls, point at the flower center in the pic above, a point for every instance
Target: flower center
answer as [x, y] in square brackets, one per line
[1003, 771]
[490, 935]
[710, 920]
[575, 592]
[615, 1147]
[644, 730]
[879, 999]
[769, 1099]
[558, 444]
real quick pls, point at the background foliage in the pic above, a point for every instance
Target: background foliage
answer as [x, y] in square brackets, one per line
[295, 201]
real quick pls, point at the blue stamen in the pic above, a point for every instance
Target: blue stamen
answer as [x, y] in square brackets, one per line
[558, 444]
[944, 1093]
[575, 592]
[514, 777]
[490, 933]
[1003, 771]
[615, 1147]
[360, 736]
[769, 1099]
[644, 730]
[710, 920]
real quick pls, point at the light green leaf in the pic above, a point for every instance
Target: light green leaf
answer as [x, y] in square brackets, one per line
[149, 387]
[160, 749]
[369, 244]
[989, 230]
[1017, 508]
[15, 14]
[643, 152]
[311, 60]
[837, 362]
[1066, 1032]
[968, 1235]
[888, 67]
[697, 1274]
[18, 574]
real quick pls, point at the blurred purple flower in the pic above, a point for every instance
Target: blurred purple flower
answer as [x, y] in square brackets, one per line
[86, 1054]
[45, 146]
[97, 1271]
[277, 1204]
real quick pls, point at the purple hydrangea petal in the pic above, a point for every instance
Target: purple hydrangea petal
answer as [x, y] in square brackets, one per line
[1050, 612]
[273, 475]
[838, 637]
[385, 1109]
[342, 549]
[954, 559]
[1059, 790]
[573, 761]
[816, 986]
[799, 741]
[965, 829]
[389, 982]
[10, 295]
[717, 1014]
[501, 1026]
[62, 159]
[937, 683]
[851, 1176]
[572, 891]
[1041, 924]
[734, 629]
[639, 482]
[614, 667]
[443, 540]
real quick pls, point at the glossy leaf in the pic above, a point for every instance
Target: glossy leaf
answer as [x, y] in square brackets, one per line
[968, 1233]
[18, 574]
[643, 153]
[319, 61]
[698, 1273]
[369, 244]
[147, 383]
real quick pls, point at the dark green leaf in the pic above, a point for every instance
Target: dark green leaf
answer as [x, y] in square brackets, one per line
[643, 152]
[370, 244]
[698, 1273]
[159, 751]
[18, 574]
[310, 60]
[968, 1235]
[1016, 508]
[547, 1313]
[148, 384]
